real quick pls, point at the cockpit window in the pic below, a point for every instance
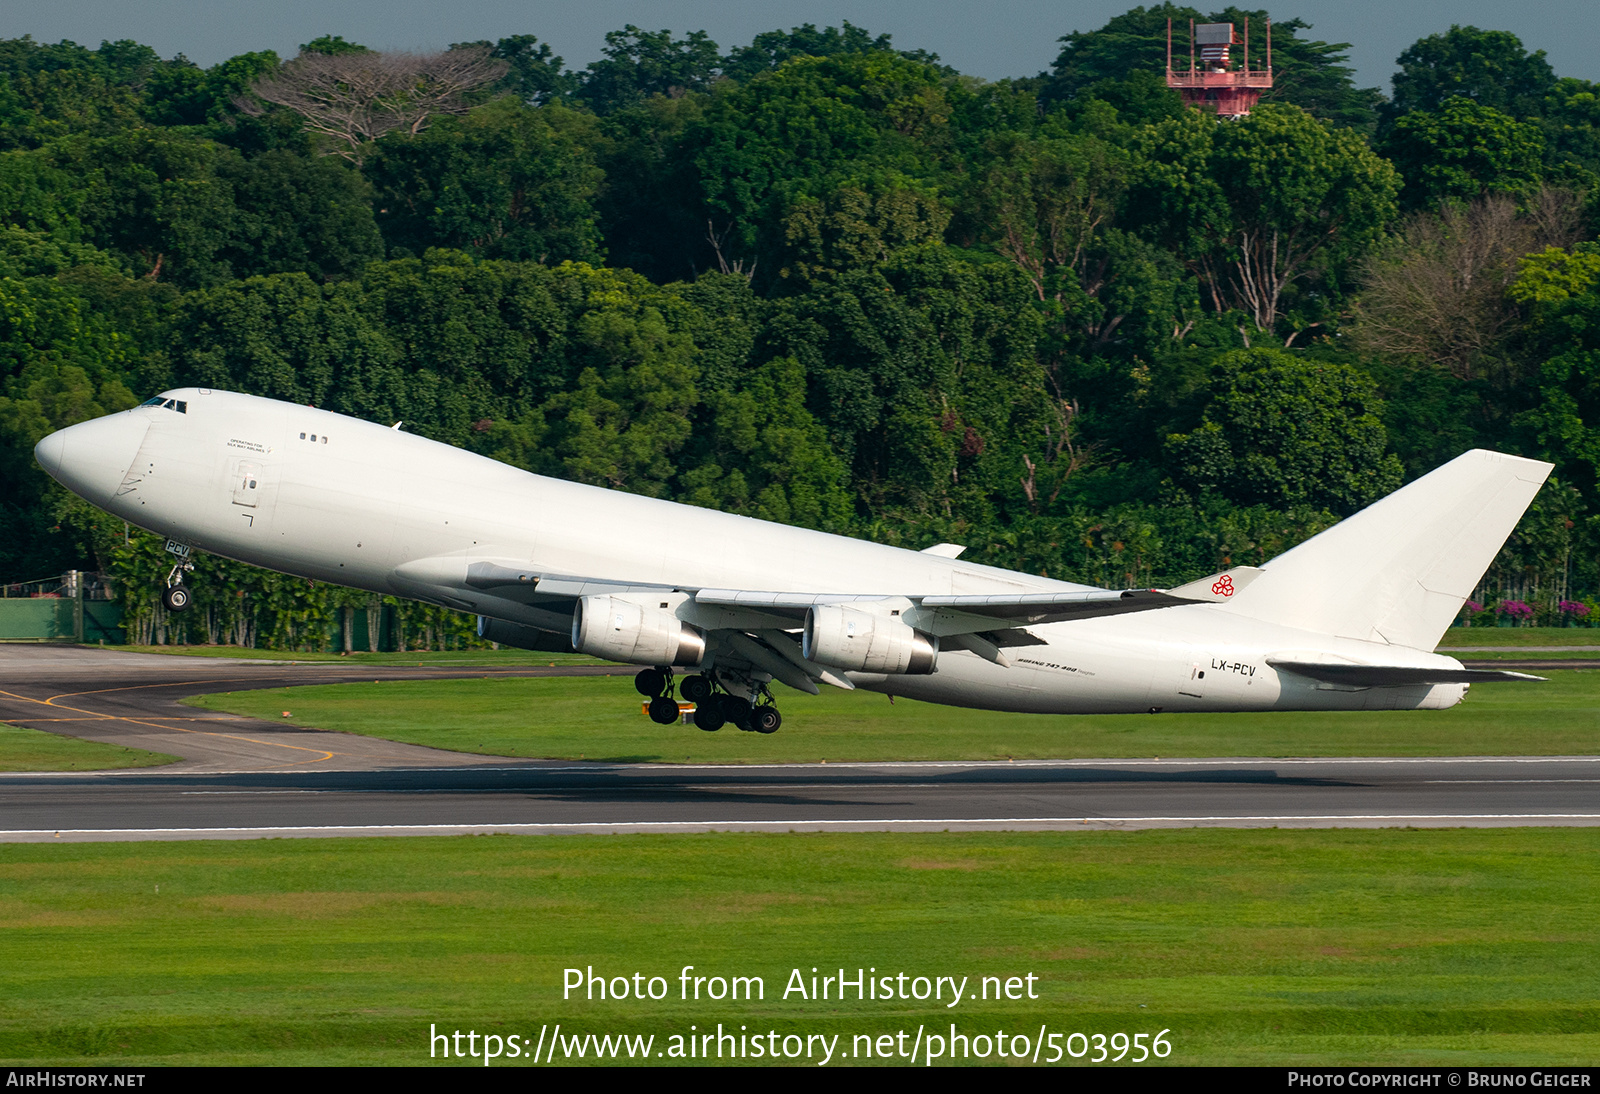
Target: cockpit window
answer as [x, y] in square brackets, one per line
[180, 405]
[157, 401]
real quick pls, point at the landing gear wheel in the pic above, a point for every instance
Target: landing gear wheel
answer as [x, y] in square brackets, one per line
[176, 598]
[650, 682]
[663, 711]
[765, 719]
[696, 688]
[736, 710]
[708, 714]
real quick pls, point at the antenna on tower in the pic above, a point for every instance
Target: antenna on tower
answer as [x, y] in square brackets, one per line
[1216, 84]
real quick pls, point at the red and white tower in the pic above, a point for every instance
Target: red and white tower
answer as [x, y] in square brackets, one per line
[1218, 82]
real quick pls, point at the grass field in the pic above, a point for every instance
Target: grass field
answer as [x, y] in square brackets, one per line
[1519, 636]
[1442, 946]
[33, 750]
[600, 719]
[1473, 658]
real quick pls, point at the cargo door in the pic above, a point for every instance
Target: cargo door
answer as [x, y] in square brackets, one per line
[245, 475]
[1192, 680]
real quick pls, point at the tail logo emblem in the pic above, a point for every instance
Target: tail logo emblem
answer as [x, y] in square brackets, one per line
[1223, 586]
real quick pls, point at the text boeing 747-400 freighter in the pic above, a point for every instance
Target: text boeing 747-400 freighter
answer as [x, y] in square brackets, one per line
[1345, 621]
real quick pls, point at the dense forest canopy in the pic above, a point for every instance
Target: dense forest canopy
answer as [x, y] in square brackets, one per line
[821, 280]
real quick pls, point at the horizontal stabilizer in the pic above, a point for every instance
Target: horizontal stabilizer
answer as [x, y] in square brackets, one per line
[1392, 676]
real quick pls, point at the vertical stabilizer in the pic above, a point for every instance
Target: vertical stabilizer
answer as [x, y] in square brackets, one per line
[1399, 570]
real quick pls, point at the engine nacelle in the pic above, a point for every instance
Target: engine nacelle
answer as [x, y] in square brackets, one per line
[522, 637]
[634, 629]
[857, 641]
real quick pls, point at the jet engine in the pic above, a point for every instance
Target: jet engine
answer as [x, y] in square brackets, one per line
[522, 637]
[861, 641]
[623, 628]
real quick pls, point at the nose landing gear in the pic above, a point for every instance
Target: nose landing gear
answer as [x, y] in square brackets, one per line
[176, 597]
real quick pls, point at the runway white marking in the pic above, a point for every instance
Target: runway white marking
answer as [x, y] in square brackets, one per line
[802, 825]
[1502, 782]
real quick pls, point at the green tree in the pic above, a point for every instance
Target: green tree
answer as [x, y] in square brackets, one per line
[1260, 202]
[1280, 430]
[1571, 124]
[503, 182]
[652, 213]
[628, 413]
[332, 45]
[154, 198]
[284, 337]
[1490, 67]
[60, 364]
[535, 75]
[50, 91]
[38, 196]
[636, 64]
[759, 452]
[1559, 289]
[38, 254]
[181, 93]
[857, 226]
[803, 130]
[1043, 204]
[924, 376]
[1463, 151]
[297, 213]
[1140, 98]
[775, 48]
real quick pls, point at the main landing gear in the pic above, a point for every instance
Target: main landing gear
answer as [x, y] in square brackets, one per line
[656, 685]
[176, 597]
[713, 708]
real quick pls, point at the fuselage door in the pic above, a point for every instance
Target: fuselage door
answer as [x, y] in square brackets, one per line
[246, 478]
[1191, 680]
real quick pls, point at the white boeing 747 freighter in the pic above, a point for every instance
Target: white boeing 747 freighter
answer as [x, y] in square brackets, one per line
[1345, 621]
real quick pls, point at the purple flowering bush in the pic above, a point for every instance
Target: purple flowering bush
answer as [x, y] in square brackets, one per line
[1518, 611]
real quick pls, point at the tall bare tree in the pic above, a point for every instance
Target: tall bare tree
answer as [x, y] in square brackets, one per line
[1436, 291]
[354, 98]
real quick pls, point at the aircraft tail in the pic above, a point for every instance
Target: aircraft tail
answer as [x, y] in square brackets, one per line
[1399, 570]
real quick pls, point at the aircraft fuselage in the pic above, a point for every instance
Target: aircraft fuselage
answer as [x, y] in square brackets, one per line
[335, 499]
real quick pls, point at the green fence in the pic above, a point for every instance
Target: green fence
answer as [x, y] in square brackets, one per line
[74, 607]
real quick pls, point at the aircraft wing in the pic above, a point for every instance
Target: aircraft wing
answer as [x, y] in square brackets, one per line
[758, 626]
[947, 615]
[939, 614]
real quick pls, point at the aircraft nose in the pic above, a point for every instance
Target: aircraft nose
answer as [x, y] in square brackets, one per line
[92, 458]
[52, 452]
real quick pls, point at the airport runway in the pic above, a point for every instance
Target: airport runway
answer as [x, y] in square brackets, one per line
[552, 798]
[344, 785]
[132, 700]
